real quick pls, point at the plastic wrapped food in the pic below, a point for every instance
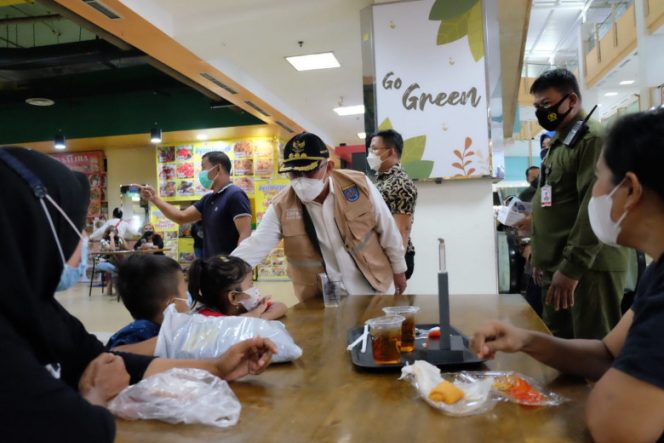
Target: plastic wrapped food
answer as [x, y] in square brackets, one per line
[477, 397]
[520, 389]
[481, 390]
[197, 336]
[179, 395]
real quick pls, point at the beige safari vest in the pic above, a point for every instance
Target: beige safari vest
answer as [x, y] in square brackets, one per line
[356, 220]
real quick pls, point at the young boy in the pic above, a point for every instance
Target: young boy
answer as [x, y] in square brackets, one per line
[148, 283]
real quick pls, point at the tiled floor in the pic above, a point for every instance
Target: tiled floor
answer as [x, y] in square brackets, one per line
[103, 314]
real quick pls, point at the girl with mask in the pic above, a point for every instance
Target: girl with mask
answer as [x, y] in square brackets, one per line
[56, 379]
[627, 208]
[223, 285]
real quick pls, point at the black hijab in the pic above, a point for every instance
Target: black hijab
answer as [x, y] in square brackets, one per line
[31, 265]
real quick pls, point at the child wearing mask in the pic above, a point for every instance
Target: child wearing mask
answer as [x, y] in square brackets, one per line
[223, 285]
[147, 284]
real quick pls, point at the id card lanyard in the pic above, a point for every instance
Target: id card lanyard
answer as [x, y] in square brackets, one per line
[546, 194]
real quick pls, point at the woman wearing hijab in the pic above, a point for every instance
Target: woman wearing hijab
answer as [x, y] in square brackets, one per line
[55, 378]
[627, 208]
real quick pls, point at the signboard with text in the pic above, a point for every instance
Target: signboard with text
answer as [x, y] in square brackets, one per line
[431, 85]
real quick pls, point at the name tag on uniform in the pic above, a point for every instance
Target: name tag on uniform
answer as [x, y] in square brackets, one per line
[546, 196]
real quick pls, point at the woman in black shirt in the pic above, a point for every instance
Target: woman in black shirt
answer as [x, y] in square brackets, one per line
[55, 377]
[626, 208]
[149, 240]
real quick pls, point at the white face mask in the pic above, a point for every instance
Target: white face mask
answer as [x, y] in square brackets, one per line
[374, 161]
[599, 213]
[307, 189]
[254, 298]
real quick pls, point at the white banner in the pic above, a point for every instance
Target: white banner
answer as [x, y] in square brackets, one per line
[431, 85]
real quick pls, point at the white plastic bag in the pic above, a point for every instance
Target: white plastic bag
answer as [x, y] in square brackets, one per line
[514, 212]
[197, 336]
[179, 395]
[477, 392]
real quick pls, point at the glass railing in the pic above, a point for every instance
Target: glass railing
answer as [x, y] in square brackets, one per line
[604, 27]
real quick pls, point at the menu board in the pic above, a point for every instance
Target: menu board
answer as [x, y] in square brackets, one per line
[167, 229]
[92, 165]
[274, 265]
[178, 167]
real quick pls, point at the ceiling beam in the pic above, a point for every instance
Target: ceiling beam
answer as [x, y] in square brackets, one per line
[136, 31]
[513, 19]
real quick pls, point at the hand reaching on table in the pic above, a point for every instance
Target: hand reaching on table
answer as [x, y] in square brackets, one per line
[103, 379]
[247, 357]
[497, 336]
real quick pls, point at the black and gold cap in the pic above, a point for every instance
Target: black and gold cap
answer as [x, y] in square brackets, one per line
[303, 153]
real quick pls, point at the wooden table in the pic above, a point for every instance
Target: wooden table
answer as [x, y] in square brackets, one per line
[323, 398]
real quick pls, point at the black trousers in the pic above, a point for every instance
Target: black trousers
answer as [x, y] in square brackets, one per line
[410, 263]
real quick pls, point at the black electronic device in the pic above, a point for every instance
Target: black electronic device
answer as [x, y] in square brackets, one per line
[578, 130]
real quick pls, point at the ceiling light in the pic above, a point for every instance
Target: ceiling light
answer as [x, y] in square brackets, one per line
[59, 141]
[155, 135]
[349, 110]
[201, 137]
[627, 82]
[610, 94]
[309, 62]
[39, 101]
[362, 135]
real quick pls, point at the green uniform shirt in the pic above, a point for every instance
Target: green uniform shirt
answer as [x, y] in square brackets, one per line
[562, 237]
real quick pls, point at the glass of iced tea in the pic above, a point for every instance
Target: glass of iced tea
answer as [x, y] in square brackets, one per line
[386, 338]
[408, 326]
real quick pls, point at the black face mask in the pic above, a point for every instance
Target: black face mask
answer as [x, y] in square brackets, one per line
[534, 182]
[549, 118]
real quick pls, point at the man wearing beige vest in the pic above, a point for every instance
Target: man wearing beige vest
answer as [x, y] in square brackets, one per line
[332, 221]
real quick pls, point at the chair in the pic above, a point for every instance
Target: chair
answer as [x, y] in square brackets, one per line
[103, 270]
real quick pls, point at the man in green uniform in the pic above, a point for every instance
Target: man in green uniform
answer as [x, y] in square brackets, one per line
[582, 279]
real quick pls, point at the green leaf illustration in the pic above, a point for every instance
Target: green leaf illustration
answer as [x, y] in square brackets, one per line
[452, 30]
[476, 32]
[413, 149]
[449, 9]
[387, 124]
[419, 169]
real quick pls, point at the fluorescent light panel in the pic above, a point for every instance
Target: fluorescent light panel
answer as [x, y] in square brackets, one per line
[610, 94]
[627, 82]
[349, 110]
[309, 62]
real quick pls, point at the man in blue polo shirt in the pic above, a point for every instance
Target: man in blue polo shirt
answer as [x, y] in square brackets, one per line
[225, 212]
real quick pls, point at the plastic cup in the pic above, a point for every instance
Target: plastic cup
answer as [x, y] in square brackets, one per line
[408, 326]
[333, 291]
[386, 338]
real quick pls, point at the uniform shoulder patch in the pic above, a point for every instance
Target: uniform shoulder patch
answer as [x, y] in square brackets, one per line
[351, 193]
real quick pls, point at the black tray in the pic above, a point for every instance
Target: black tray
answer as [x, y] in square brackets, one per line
[458, 355]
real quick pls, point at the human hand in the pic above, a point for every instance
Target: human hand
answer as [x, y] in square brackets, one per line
[561, 291]
[497, 336]
[260, 309]
[537, 276]
[148, 192]
[524, 227]
[247, 357]
[103, 379]
[399, 283]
